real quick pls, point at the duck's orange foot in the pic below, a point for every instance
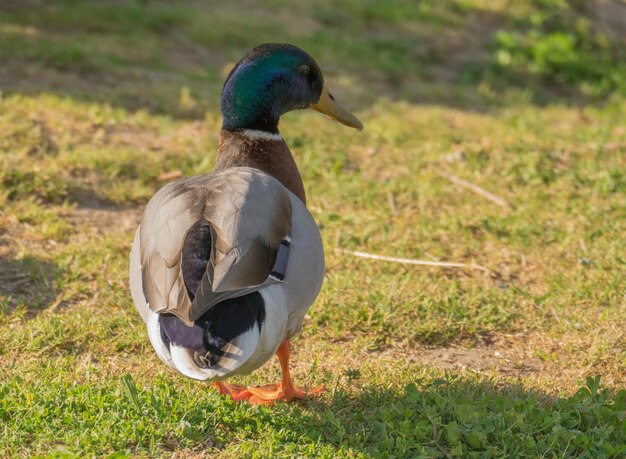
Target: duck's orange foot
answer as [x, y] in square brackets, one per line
[271, 393]
[266, 395]
[236, 392]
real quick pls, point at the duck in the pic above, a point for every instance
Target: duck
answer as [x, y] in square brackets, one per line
[225, 265]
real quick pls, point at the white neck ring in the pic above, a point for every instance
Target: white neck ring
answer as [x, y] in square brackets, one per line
[260, 135]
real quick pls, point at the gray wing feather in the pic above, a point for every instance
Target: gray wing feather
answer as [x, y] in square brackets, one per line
[136, 288]
[249, 213]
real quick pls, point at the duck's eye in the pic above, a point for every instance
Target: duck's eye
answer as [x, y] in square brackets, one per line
[303, 70]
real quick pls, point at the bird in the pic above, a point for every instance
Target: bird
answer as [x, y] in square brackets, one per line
[225, 265]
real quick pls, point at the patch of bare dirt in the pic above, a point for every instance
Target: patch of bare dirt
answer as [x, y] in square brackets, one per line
[463, 46]
[560, 362]
[106, 220]
[610, 16]
[504, 362]
[17, 75]
[505, 355]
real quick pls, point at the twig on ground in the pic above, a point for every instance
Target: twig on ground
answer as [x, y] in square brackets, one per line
[338, 237]
[476, 189]
[391, 200]
[412, 261]
[14, 276]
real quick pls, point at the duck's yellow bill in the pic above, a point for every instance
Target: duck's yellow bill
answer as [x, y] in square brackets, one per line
[333, 109]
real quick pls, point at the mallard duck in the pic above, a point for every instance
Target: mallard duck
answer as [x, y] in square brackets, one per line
[225, 265]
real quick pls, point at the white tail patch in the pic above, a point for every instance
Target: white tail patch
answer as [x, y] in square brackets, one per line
[154, 333]
[236, 353]
[185, 363]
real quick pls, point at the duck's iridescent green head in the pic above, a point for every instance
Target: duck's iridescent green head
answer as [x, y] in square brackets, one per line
[271, 80]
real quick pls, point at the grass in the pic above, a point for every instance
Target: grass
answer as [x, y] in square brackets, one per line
[102, 100]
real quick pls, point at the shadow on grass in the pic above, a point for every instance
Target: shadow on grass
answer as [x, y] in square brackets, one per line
[28, 285]
[450, 416]
[87, 198]
[447, 417]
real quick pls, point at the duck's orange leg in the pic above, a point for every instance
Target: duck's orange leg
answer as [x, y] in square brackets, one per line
[271, 393]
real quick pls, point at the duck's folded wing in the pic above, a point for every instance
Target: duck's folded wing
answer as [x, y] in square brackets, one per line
[248, 217]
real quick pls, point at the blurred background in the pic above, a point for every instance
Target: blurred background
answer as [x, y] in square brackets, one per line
[172, 57]
[495, 135]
